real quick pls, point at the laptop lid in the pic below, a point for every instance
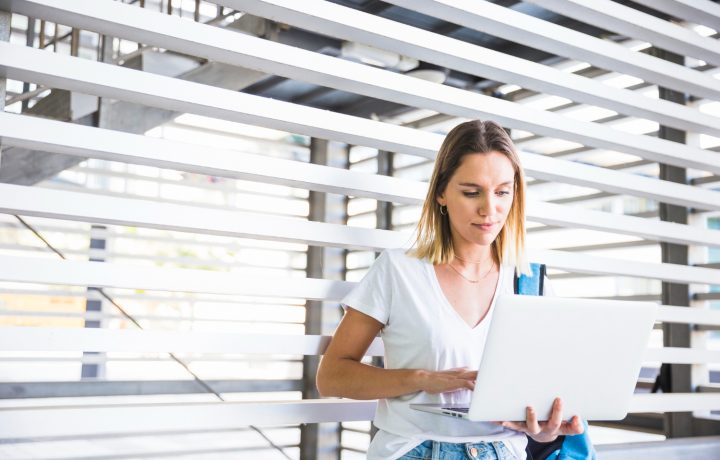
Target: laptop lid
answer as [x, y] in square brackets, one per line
[586, 351]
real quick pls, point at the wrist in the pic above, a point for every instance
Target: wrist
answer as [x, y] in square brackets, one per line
[418, 379]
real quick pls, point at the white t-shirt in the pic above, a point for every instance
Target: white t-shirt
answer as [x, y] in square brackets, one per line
[423, 331]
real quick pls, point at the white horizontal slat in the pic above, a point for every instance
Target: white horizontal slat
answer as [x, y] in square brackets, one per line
[633, 23]
[350, 24]
[705, 12]
[73, 139]
[704, 316]
[677, 355]
[486, 17]
[28, 422]
[114, 340]
[110, 340]
[542, 167]
[43, 271]
[678, 402]
[85, 141]
[144, 88]
[74, 74]
[581, 263]
[147, 418]
[101, 274]
[91, 207]
[40, 202]
[226, 46]
[554, 214]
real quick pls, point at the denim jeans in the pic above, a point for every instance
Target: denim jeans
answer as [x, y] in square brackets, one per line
[433, 450]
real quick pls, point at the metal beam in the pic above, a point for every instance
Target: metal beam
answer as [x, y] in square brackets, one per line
[636, 24]
[456, 54]
[5, 29]
[485, 17]
[703, 12]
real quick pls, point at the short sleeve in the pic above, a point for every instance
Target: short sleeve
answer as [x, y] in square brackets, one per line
[373, 294]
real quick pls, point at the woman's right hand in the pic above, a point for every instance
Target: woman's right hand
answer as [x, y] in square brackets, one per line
[434, 382]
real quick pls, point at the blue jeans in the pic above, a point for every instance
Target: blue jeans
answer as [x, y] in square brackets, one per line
[434, 450]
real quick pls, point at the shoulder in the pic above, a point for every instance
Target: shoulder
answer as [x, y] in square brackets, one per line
[399, 260]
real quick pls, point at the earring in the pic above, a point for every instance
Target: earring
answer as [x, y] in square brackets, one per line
[441, 210]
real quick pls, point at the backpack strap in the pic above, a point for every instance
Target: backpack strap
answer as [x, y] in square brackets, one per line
[532, 284]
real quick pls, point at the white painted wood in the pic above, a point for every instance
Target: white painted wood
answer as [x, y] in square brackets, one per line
[672, 314]
[678, 402]
[636, 24]
[86, 207]
[676, 355]
[353, 25]
[170, 32]
[101, 274]
[72, 139]
[542, 167]
[703, 12]
[28, 422]
[74, 74]
[147, 418]
[91, 207]
[120, 340]
[572, 216]
[582, 263]
[84, 141]
[81, 273]
[139, 341]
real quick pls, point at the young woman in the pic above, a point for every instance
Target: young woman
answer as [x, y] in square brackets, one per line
[432, 306]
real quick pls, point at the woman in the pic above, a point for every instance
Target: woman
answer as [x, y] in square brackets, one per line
[432, 306]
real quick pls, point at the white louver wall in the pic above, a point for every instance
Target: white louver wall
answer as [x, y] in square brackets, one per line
[206, 225]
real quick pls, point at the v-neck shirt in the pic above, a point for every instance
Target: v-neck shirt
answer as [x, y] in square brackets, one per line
[423, 331]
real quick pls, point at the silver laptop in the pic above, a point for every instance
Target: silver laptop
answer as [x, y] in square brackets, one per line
[586, 351]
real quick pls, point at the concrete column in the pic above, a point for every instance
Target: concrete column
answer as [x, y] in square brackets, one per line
[675, 378]
[5, 19]
[322, 441]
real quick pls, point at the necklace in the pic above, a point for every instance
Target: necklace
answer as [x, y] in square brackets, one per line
[468, 279]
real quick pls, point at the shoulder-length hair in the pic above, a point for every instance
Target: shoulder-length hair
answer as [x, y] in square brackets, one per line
[434, 239]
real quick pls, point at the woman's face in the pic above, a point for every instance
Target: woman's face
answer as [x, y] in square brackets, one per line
[479, 196]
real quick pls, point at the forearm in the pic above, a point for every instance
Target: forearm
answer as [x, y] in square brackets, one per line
[348, 378]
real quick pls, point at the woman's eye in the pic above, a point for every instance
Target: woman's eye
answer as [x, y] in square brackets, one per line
[502, 193]
[471, 194]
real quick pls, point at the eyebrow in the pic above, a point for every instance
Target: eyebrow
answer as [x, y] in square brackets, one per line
[470, 184]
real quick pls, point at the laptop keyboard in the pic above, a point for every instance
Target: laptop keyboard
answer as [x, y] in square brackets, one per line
[457, 409]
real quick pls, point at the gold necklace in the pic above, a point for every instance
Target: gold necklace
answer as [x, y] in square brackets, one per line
[468, 279]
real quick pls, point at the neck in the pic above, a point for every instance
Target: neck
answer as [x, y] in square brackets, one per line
[473, 253]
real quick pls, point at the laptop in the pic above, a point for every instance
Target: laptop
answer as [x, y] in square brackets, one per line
[586, 351]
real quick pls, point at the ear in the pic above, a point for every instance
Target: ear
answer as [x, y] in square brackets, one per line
[441, 199]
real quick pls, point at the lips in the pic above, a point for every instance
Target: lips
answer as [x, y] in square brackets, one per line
[484, 227]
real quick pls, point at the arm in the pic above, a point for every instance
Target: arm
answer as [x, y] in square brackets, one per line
[342, 374]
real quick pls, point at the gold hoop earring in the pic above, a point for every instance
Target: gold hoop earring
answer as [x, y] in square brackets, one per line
[441, 210]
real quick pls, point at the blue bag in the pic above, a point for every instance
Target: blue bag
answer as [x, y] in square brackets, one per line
[576, 447]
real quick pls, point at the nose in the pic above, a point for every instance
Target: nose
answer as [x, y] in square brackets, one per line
[486, 204]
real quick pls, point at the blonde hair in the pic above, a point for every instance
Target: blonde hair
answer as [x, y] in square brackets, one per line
[434, 237]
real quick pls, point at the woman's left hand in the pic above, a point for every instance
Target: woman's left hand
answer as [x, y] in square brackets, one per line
[550, 430]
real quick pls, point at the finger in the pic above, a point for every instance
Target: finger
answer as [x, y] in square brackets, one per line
[575, 426]
[531, 420]
[553, 424]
